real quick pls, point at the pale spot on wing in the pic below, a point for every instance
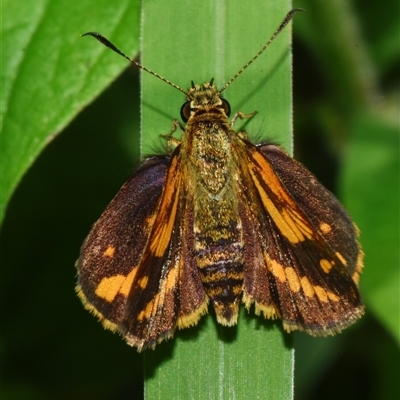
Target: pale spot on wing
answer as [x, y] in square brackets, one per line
[147, 312]
[276, 269]
[326, 265]
[321, 294]
[341, 258]
[292, 279]
[109, 287]
[172, 278]
[333, 297]
[143, 282]
[109, 252]
[324, 227]
[307, 287]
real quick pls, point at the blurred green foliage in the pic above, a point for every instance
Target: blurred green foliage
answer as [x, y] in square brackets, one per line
[346, 91]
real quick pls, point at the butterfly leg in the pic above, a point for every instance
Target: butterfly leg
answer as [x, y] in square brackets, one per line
[172, 142]
[242, 115]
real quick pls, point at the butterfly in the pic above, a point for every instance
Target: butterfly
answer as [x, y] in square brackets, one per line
[220, 221]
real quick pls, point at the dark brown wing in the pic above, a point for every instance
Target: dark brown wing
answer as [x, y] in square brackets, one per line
[113, 249]
[303, 261]
[167, 291]
[134, 268]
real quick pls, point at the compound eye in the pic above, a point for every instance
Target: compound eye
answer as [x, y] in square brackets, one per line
[185, 111]
[226, 107]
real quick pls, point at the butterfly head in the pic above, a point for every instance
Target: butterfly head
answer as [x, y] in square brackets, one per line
[201, 98]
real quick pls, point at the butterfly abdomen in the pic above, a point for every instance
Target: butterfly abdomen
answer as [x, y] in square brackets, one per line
[219, 257]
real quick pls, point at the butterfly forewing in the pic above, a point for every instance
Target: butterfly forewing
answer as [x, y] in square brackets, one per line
[311, 260]
[111, 253]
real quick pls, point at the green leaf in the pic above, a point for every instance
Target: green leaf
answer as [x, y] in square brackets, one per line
[214, 40]
[49, 73]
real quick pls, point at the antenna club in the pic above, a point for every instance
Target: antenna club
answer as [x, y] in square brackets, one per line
[103, 40]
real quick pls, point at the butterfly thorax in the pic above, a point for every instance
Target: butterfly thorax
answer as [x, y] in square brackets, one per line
[208, 136]
[218, 240]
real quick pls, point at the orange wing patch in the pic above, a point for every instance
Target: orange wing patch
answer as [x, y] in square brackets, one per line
[108, 288]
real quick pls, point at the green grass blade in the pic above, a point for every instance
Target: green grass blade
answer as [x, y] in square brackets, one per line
[214, 40]
[252, 360]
